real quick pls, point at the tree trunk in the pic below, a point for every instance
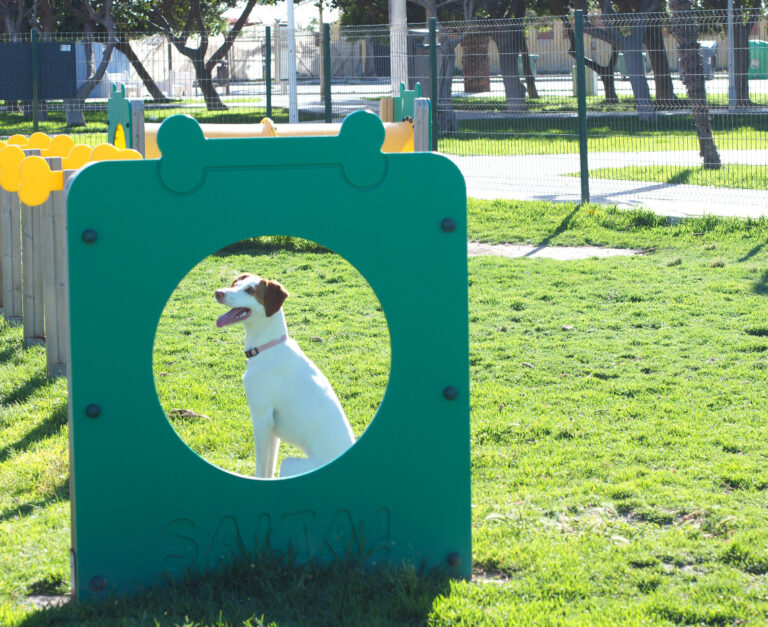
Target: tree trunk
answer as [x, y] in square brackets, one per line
[124, 46]
[631, 44]
[654, 43]
[447, 122]
[476, 63]
[513, 87]
[204, 80]
[741, 30]
[607, 74]
[530, 79]
[73, 109]
[633, 56]
[42, 112]
[683, 27]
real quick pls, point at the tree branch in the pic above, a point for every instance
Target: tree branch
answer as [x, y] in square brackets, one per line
[231, 35]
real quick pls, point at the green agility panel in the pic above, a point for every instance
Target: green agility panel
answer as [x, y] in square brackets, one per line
[403, 104]
[145, 507]
[125, 121]
[118, 115]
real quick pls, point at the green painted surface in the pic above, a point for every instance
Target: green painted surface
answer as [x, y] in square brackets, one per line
[119, 114]
[402, 105]
[145, 507]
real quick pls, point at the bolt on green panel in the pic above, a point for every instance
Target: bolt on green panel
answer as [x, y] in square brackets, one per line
[145, 507]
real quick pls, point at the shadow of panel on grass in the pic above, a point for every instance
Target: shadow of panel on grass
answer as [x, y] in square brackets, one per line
[145, 507]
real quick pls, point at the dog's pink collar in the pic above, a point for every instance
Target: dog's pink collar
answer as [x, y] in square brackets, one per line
[252, 352]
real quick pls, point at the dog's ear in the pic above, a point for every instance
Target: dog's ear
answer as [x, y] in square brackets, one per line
[274, 296]
[240, 278]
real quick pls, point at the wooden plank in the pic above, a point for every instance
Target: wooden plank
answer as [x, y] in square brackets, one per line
[10, 256]
[32, 296]
[59, 215]
[386, 109]
[422, 120]
[47, 247]
[137, 126]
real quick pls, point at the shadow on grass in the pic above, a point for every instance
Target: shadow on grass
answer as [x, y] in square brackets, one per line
[26, 389]
[561, 228]
[60, 493]
[271, 244]
[761, 285]
[12, 346]
[681, 176]
[267, 590]
[752, 252]
[48, 427]
[6, 354]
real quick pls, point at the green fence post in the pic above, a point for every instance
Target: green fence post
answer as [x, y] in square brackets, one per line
[327, 72]
[433, 76]
[35, 83]
[268, 70]
[581, 97]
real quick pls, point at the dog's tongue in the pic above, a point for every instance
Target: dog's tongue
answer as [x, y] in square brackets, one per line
[233, 315]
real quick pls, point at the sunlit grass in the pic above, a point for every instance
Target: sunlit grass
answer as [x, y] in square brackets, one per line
[618, 433]
[734, 176]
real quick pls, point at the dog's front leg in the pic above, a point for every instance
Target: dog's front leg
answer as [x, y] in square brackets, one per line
[266, 444]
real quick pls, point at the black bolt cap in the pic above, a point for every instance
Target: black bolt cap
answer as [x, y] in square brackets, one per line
[93, 411]
[90, 236]
[448, 225]
[453, 559]
[451, 393]
[98, 583]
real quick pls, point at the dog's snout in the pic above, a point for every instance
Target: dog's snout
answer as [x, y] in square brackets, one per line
[219, 295]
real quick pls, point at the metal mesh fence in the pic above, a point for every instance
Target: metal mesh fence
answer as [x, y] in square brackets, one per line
[513, 100]
[660, 89]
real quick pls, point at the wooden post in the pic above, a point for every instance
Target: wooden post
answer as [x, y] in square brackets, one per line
[2, 289]
[137, 126]
[55, 358]
[60, 278]
[386, 109]
[10, 252]
[422, 120]
[32, 272]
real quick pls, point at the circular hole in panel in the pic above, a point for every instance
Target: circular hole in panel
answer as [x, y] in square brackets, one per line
[331, 313]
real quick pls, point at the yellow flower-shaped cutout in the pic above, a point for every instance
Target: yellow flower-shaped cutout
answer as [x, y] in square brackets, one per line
[60, 146]
[10, 158]
[37, 181]
[77, 157]
[40, 141]
[18, 140]
[107, 152]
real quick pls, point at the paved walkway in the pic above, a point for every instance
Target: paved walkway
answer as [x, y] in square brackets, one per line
[545, 177]
[563, 253]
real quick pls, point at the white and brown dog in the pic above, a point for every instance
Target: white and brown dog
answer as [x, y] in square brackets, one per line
[289, 398]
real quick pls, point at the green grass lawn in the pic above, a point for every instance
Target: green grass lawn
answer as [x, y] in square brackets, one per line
[618, 432]
[558, 134]
[737, 176]
[568, 104]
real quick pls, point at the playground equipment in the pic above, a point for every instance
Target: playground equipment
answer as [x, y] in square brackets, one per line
[145, 507]
[407, 125]
[33, 235]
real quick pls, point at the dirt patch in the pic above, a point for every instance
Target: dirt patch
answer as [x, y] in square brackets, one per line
[564, 253]
[45, 601]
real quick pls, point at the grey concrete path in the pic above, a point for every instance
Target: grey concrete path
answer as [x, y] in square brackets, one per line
[562, 253]
[546, 177]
